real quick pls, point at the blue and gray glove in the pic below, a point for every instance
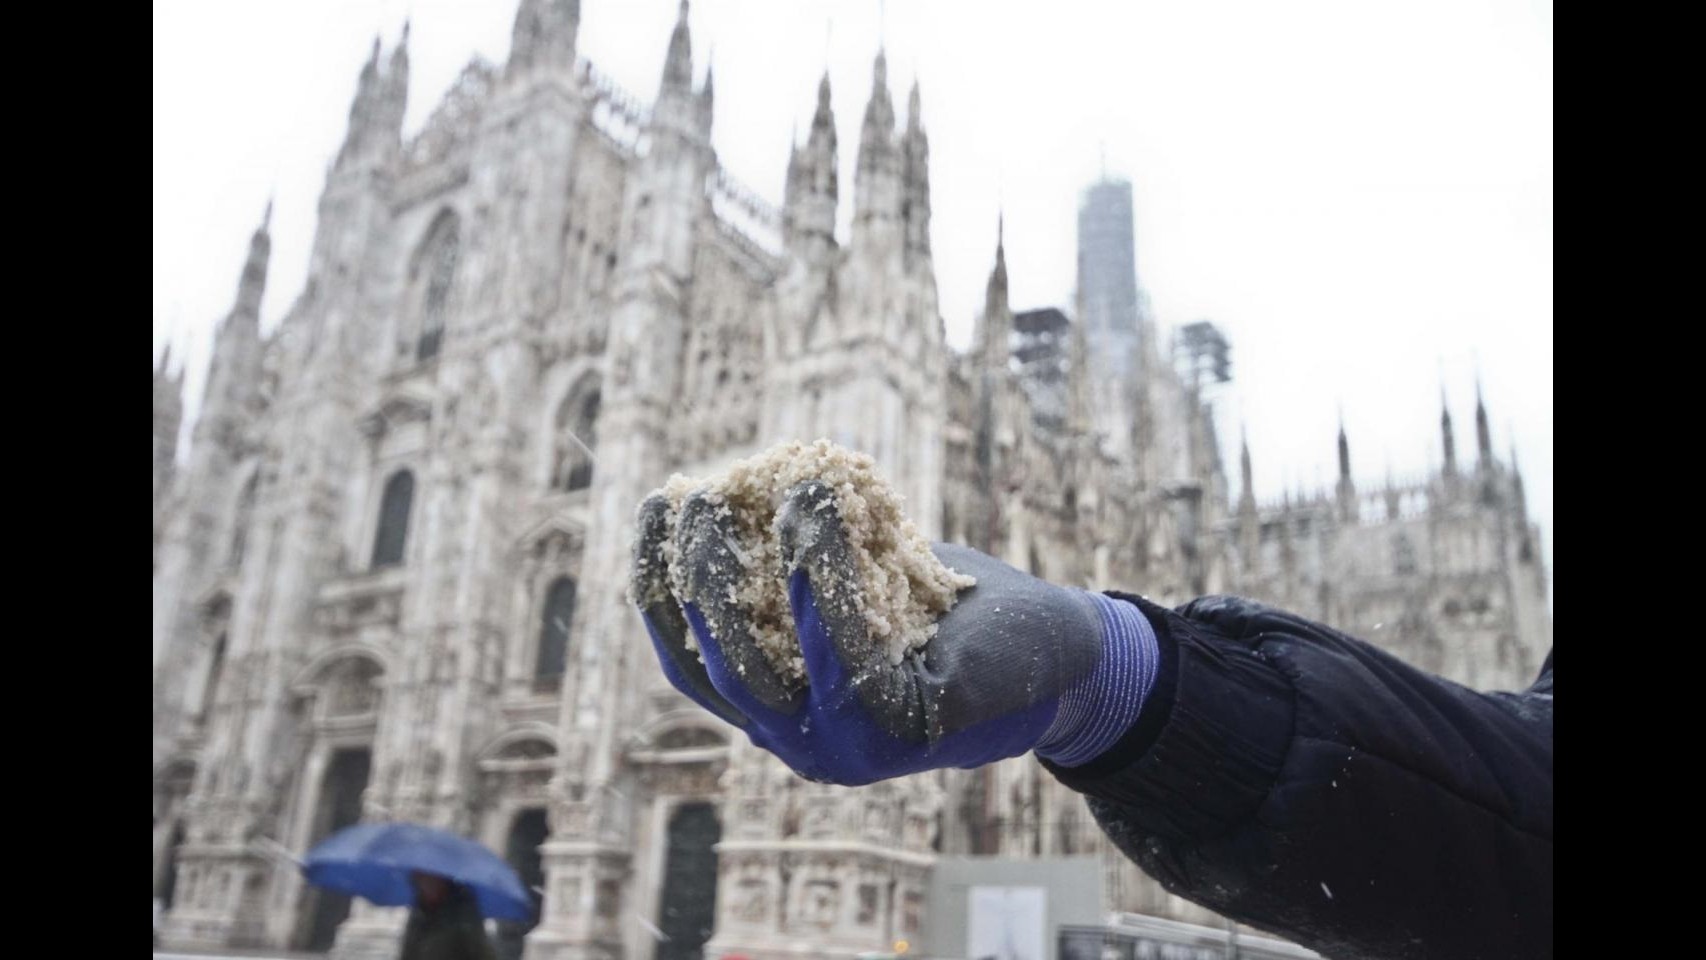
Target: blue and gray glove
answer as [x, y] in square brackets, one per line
[1017, 665]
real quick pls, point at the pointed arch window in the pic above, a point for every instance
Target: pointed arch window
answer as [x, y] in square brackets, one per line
[210, 681]
[576, 438]
[240, 522]
[434, 274]
[553, 653]
[169, 882]
[393, 533]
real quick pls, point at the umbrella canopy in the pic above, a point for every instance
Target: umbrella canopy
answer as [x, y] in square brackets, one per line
[374, 860]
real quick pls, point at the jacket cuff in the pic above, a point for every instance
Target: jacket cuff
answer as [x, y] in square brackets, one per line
[1209, 743]
[1098, 710]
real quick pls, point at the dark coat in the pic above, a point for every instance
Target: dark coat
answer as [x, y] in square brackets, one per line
[1309, 784]
[454, 931]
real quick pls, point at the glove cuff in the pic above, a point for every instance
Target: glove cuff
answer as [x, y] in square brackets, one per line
[1100, 708]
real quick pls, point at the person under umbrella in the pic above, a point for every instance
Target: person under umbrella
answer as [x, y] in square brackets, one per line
[444, 923]
[450, 883]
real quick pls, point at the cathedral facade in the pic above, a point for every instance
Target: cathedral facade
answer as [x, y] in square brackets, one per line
[389, 570]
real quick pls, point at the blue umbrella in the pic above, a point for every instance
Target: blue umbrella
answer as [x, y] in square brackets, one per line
[374, 860]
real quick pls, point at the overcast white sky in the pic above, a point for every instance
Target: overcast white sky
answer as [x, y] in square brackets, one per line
[1359, 193]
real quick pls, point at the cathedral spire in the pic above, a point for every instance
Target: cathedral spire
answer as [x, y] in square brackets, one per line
[997, 426]
[1249, 528]
[707, 97]
[1347, 493]
[1483, 434]
[808, 208]
[1519, 512]
[544, 35]
[1516, 482]
[915, 181]
[666, 196]
[370, 111]
[398, 75]
[876, 182]
[995, 326]
[234, 368]
[678, 64]
[878, 130]
[1446, 435]
[168, 418]
[366, 84]
[1390, 492]
[392, 100]
[1344, 451]
[678, 109]
[253, 283]
[1247, 498]
[681, 116]
[402, 51]
[524, 34]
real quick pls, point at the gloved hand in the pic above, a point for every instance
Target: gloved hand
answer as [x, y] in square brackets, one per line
[1017, 665]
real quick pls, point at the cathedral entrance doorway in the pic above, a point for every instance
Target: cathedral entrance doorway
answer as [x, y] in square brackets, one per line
[167, 888]
[526, 833]
[339, 807]
[687, 909]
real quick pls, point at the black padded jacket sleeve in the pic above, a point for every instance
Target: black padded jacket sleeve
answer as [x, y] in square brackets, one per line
[1304, 782]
